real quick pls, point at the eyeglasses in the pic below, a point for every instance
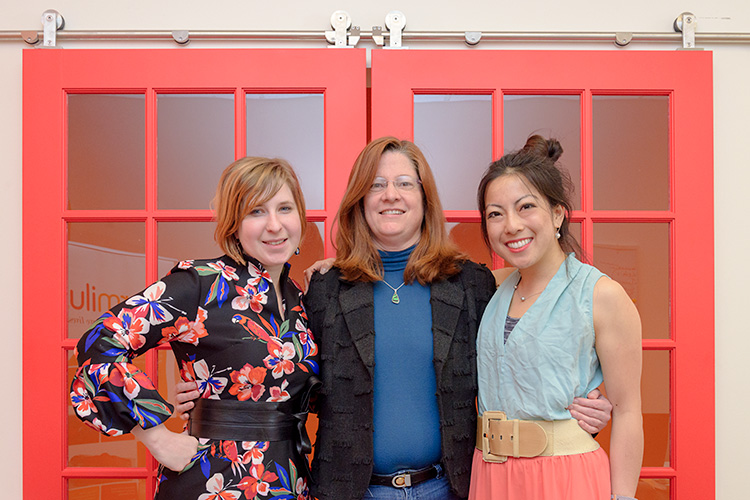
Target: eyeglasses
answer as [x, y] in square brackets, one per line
[401, 183]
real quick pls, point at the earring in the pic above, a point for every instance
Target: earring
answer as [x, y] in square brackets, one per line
[296, 252]
[557, 235]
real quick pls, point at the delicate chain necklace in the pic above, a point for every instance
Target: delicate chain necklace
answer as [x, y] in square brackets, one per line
[395, 299]
[523, 299]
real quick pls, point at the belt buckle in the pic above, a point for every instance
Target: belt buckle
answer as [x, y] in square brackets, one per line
[488, 416]
[401, 480]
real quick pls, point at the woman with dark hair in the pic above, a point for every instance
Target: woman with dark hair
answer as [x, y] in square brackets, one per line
[238, 329]
[554, 330]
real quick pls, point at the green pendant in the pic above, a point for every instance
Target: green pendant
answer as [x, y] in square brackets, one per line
[395, 298]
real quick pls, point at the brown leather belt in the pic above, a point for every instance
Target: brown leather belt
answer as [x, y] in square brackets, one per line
[407, 478]
[500, 438]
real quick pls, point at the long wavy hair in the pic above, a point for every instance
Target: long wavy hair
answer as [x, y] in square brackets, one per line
[435, 257]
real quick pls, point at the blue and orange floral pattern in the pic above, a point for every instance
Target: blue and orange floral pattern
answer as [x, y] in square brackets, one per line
[230, 334]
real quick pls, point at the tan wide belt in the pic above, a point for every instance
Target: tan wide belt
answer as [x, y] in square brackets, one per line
[500, 438]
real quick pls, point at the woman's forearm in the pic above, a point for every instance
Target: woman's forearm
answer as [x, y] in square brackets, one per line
[626, 451]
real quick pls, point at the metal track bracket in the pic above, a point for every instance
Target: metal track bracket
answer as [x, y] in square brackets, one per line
[343, 33]
[377, 36]
[395, 21]
[52, 22]
[686, 23]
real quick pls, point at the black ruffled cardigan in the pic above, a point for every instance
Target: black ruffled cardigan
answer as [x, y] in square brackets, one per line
[341, 318]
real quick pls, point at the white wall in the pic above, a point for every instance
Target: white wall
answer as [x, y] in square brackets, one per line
[732, 156]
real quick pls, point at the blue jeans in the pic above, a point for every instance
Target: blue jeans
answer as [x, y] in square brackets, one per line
[438, 488]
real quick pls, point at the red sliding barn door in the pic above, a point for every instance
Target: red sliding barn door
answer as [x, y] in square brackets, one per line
[123, 148]
[636, 128]
[122, 153]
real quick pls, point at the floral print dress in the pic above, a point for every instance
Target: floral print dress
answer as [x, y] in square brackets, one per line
[223, 324]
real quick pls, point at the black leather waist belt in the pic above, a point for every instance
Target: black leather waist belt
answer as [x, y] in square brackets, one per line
[405, 479]
[254, 421]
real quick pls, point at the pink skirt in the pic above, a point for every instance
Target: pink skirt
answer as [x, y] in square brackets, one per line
[584, 476]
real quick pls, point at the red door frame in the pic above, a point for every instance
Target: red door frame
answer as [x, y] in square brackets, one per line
[686, 77]
[49, 75]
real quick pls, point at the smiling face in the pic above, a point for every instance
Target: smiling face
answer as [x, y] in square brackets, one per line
[394, 217]
[521, 225]
[271, 231]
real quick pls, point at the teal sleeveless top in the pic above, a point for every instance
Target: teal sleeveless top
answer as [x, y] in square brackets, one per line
[549, 358]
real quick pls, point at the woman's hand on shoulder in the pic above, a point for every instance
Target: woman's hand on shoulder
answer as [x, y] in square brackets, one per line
[321, 266]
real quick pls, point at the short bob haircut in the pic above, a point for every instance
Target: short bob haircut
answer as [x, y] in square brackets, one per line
[535, 163]
[435, 257]
[245, 184]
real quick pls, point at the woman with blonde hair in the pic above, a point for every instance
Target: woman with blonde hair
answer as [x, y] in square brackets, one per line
[238, 329]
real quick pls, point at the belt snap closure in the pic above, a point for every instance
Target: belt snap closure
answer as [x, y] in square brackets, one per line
[401, 481]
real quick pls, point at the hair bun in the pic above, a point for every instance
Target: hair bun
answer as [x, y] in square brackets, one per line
[548, 148]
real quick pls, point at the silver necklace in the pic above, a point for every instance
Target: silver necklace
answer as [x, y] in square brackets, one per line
[395, 299]
[523, 299]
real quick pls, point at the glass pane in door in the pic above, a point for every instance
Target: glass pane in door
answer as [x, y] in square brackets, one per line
[195, 144]
[552, 117]
[88, 447]
[631, 152]
[106, 265]
[290, 126]
[106, 489]
[106, 151]
[311, 249]
[653, 489]
[185, 240]
[636, 255]
[455, 134]
[575, 232]
[655, 396]
[468, 236]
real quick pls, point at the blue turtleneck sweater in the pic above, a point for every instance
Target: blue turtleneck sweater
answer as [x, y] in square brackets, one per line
[406, 420]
